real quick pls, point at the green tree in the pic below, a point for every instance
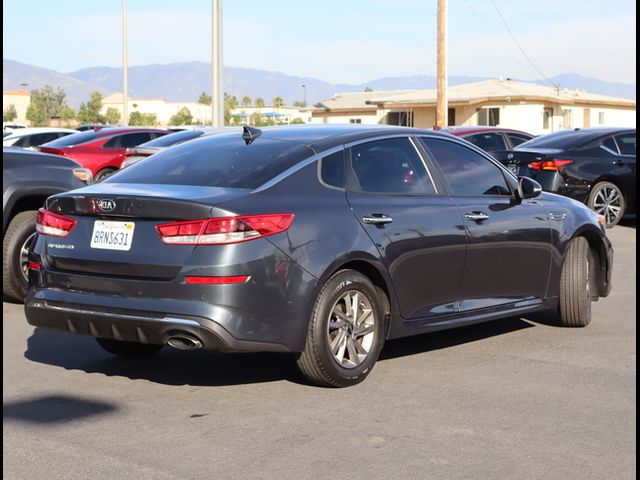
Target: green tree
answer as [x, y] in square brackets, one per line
[230, 102]
[260, 102]
[112, 117]
[9, 114]
[183, 117]
[297, 121]
[246, 101]
[278, 102]
[90, 111]
[45, 105]
[204, 98]
[368, 89]
[137, 119]
[299, 104]
[67, 115]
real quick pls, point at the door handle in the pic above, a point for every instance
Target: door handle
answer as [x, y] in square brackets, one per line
[379, 219]
[476, 216]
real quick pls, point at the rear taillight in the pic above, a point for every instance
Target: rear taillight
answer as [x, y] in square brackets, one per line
[217, 280]
[49, 223]
[549, 165]
[224, 230]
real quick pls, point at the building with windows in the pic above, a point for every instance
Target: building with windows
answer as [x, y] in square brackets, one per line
[507, 103]
[162, 109]
[19, 100]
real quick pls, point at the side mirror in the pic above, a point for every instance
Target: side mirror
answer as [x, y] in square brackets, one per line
[528, 188]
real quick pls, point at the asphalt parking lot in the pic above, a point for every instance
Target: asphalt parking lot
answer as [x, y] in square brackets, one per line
[513, 399]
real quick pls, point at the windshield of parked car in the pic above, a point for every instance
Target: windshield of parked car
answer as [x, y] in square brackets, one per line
[173, 138]
[74, 139]
[563, 140]
[217, 161]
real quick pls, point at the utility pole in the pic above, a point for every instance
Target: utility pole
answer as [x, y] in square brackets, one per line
[442, 103]
[217, 97]
[125, 66]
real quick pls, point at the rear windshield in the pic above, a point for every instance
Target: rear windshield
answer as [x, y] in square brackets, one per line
[74, 139]
[173, 138]
[563, 140]
[217, 161]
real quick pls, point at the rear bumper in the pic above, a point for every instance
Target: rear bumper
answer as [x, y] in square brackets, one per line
[43, 308]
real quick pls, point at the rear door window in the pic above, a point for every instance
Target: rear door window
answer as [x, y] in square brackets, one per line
[390, 166]
[128, 140]
[332, 169]
[627, 143]
[489, 142]
[467, 172]
[516, 139]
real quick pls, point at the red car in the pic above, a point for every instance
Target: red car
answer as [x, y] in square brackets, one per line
[101, 151]
[490, 139]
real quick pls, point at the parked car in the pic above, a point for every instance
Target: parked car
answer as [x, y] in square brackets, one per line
[33, 137]
[490, 139]
[596, 166]
[134, 155]
[28, 178]
[322, 241]
[101, 151]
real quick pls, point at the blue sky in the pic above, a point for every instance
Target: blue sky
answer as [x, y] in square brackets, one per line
[341, 41]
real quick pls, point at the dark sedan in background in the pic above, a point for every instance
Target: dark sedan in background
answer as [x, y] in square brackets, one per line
[322, 241]
[28, 178]
[490, 139]
[596, 166]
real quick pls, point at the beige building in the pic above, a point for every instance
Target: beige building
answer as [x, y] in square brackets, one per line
[20, 99]
[162, 109]
[523, 106]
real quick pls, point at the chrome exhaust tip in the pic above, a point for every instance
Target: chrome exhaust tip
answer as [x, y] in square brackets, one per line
[184, 341]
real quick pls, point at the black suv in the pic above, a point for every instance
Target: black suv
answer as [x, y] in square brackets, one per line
[28, 178]
[596, 166]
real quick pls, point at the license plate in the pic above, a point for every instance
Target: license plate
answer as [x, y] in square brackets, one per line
[112, 235]
[514, 168]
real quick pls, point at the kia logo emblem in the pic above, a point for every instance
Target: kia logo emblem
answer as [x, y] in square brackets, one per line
[106, 205]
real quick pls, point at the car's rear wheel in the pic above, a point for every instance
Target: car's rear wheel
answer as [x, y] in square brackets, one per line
[128, 349]
[607, 200]
[15, 254]
[104, 174]
[345, 332]
[575, 285]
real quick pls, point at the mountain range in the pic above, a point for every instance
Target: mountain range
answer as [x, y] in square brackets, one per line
[187, 80]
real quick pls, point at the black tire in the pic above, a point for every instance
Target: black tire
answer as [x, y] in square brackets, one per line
[104, 174]
[317, 362]
[575, 285]
[20, 232]
[128, 349]
[607, 199]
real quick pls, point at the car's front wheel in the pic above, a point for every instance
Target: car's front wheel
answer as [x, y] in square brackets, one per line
[345, 332]
[607, 200]
[128, 349]
[575, 284]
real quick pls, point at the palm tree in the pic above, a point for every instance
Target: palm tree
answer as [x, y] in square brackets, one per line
[278, 102]
[246, 101]
[259, 102]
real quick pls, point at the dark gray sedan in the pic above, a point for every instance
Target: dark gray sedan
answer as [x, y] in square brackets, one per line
[322, 241]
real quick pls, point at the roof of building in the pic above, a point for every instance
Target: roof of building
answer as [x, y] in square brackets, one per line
[470, 93]
[16, 92]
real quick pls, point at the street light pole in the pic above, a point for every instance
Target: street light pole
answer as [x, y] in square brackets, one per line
[217, 97]
[305, 94]
[442, 100]
[125, 66]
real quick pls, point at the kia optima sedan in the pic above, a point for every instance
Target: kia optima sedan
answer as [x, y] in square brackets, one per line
[321, 241]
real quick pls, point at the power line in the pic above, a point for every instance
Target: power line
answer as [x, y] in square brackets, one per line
[515, 40]
[494, 36]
